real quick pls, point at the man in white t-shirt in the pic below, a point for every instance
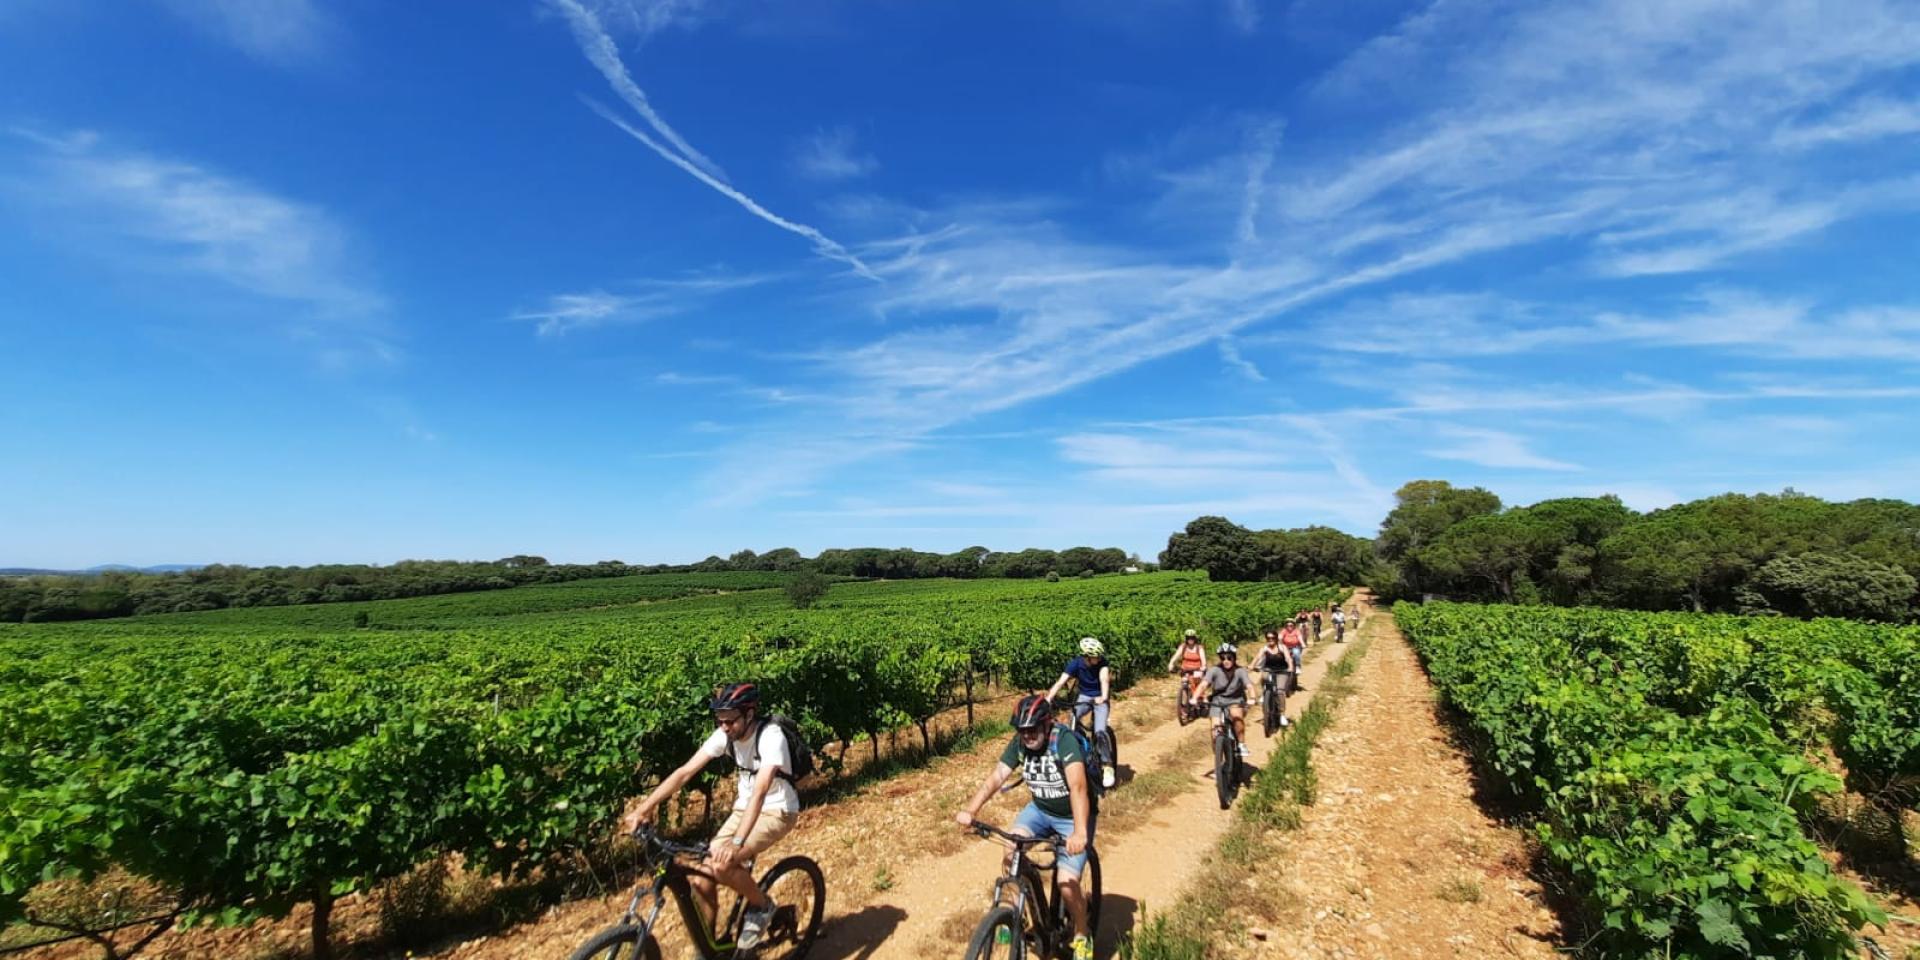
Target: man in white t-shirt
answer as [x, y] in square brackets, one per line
[764, 804]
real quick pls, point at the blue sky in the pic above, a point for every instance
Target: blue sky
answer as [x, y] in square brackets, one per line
[284, 281]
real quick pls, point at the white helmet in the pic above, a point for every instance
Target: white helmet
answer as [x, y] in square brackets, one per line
[1092, 648]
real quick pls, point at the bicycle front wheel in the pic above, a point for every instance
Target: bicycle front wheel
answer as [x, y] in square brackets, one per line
[1224, 755]
[624, 942]
[799, 893]
[997, 937]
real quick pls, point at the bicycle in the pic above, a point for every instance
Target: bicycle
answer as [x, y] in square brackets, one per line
[1273, 700]
[1228, 768]
[795, 884]
[1187, 708]
[1105, 741]
[1024, 912]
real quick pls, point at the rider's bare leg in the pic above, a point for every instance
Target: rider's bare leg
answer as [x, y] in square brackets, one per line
[1076, 899]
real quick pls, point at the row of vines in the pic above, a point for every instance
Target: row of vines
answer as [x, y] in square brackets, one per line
[252, 769]
[1675, 759]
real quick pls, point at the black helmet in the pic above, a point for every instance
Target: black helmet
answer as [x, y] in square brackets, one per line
[1033, 710]
[735, 696]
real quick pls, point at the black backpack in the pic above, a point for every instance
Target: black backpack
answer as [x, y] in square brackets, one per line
[1096, 785]
[799, 755]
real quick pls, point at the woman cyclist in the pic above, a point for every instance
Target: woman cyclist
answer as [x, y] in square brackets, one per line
[1190, 661]
[1274, 659]
[1095, 680]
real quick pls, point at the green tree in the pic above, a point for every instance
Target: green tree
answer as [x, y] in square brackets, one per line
[806, 588]
[1423, 510]
[1829, 585]
[1226, 550]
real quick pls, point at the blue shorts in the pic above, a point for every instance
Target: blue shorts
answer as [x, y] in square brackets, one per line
[1036, 822]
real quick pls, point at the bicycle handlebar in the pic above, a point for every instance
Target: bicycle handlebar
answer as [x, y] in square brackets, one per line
[645, 833]
[988, 831]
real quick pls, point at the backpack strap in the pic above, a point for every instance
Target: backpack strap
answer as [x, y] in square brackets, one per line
[760, 728]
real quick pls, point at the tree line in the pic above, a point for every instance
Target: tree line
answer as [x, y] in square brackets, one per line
[117, 593]
[1787, 554]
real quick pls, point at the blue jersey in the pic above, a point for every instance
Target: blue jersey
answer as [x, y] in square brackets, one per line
[1087, 674]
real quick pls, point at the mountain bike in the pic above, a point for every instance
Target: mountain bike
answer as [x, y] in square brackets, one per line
[1273, 699]
[1227, 765]
[795, 884]
[1106, 741]
[1027, 915]
[1187, 708]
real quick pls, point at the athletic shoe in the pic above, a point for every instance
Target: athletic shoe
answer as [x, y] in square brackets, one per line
[1106, 778]
[753, 926]
[1243, 751]
[1083, 948]
[1286, 722]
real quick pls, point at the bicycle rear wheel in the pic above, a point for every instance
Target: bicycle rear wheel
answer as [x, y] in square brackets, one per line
[997, 937]
[799, 893]
[624, 942]
[1270, 710]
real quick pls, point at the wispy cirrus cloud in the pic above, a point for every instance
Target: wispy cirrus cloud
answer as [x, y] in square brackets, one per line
[832, 155]
[1607, 138]
[183, 219]
[639, 301]
[1493, 448]
[600, 50]
[281, 32]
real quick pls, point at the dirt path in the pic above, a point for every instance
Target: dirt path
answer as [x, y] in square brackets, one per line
[938, 899]
[1395, 859]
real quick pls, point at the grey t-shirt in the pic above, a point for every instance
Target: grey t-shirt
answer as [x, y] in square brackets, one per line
[1227, 688]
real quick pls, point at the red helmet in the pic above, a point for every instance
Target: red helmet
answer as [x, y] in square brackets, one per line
[735, 696]
[1033, 710]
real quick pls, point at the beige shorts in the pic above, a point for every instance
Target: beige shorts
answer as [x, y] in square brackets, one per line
[767, 830]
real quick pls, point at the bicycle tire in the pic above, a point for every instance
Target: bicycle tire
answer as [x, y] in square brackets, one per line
[795, 926]
[1269, 710]
[986, 944]
[1113, 746]
[608, 944]
[1223, 772]
[1091, 879]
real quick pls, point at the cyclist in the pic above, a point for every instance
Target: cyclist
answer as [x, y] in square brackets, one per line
[1095, 679]
[1063, 804]
[1190, 661]
[1274, 659]
[1339, 623]
[1226, 683]
[1316, 624]
[764, 805]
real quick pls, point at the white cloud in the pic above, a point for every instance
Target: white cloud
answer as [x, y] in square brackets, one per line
[276, 31]
[1230, 355]
[831, 155]
[181, 218]
[1871, 118]
[600, 50]
[645, 300]
[1494, 448]
[1606, 133]
[1244, 15]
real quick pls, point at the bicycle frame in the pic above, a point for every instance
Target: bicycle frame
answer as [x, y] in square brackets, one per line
[670, 877]
[1028, 900]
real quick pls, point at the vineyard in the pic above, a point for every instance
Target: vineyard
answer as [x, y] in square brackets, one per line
[1675, 760]
[250, 760]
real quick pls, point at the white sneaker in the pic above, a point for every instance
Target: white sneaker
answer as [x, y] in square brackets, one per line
[1106, 778]
[1285, 721]
[1243, 751]
[753, 926]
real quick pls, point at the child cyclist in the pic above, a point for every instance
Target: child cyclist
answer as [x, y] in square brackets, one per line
[1063, 805]
[764, 806]
[1094, 678]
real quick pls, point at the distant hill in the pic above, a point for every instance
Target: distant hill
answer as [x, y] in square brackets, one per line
[103, 568]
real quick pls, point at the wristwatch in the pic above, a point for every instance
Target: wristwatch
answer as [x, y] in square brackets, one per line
[737, 841]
